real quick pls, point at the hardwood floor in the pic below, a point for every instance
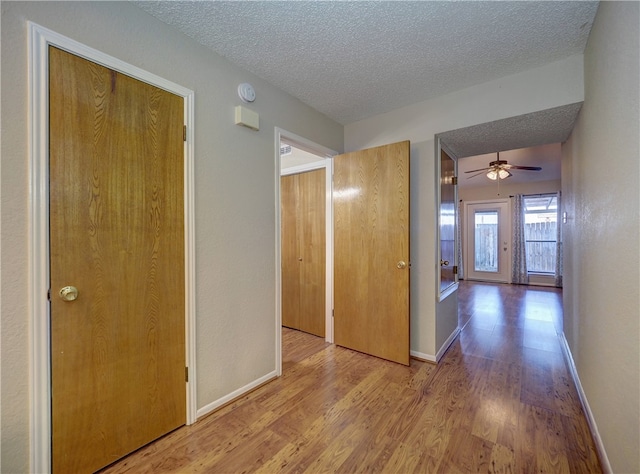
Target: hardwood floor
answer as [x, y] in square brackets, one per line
[501, 400]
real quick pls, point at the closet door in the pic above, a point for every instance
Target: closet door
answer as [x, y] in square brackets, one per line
[303, 202]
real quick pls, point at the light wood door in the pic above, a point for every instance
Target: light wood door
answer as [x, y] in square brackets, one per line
[371, 248]
[303, 198]
[117, 234]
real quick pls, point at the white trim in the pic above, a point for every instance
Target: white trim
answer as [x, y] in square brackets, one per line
[468, 253]
[39, 330]
[304, 144]
[448, 291]
[205, 410]
[278, 249]
[447, 343]
[327, 163]
[595, 434]
[422, 356]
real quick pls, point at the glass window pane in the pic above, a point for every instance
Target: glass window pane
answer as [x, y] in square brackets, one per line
[486, 241]
[540, 231]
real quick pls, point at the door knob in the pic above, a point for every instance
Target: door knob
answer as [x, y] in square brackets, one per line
[401, 265]
[444, 263]
[68, 293]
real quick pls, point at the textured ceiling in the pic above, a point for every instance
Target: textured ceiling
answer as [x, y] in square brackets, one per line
[355, 59]
[539, 128]
[527, 140]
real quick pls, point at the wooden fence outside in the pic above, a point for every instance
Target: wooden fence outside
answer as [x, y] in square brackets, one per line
[541, 246]
[540, 243]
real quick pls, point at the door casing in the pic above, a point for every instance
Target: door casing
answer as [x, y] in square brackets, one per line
[40, 39]
[326, 163]
[504, 229]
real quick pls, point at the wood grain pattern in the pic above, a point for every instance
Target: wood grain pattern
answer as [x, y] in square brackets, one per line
[117, 234]
[371, 235]
[303, 204]
[338, 410]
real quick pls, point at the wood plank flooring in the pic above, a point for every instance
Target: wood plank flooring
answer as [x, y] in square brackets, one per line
[501, 400]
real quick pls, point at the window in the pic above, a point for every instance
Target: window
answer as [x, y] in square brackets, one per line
[540, 232]
[486, 241]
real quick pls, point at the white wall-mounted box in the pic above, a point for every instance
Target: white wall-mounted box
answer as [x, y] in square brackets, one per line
[247, 118]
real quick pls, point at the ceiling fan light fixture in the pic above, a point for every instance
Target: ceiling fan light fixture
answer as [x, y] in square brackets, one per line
[504, 174]
[492, 174]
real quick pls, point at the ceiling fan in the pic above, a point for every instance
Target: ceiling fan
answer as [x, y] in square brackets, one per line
[500, 169]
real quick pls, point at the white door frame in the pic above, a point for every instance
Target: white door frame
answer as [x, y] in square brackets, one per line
[40, 39]
[504, 229]
[327, 164]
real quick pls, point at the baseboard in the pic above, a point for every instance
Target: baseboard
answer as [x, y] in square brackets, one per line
[436, 358]
[447, 343]
[422, 356]
[606, 466]
[220, 402]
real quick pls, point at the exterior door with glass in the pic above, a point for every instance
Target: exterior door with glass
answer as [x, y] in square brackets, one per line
[488, 241]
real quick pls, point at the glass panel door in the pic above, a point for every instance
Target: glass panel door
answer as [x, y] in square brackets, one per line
[488, 241]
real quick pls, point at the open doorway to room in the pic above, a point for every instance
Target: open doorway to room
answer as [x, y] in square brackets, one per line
[306, 260]
[502, 232]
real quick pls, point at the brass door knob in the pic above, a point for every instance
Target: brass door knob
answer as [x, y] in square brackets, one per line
[401, 264]
[68, 293]
[444, 263]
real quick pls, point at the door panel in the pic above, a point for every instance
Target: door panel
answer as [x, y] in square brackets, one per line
[488, 241]
[117, 234]
[303, 201]
[371, 248]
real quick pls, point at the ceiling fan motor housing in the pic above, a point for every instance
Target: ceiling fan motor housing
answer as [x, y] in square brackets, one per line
[498, 163]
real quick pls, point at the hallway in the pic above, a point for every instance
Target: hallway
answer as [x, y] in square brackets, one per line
[501, 400]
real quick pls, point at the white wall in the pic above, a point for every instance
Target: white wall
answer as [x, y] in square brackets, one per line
[556, 84]
[602, 271]
[235, 197]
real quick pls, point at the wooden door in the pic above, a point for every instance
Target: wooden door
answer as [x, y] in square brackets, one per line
[303, 198]
[371, 248]
[117, 235]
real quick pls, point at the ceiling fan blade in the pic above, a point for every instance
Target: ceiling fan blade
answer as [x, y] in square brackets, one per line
[529, 168]
[475, 171]
[477, 174]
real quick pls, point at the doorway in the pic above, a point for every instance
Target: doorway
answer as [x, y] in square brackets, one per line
[488, 241]
[303, 207]
[39, 235]
[297, 156]
[371, 281]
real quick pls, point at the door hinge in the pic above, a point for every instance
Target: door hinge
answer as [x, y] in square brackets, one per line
[455, 269]
[186, 374]
[49, 294]
[454, 180]
[333, 313]
[184, 133]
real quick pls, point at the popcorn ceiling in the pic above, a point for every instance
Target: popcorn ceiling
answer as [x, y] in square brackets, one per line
[354, 60]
